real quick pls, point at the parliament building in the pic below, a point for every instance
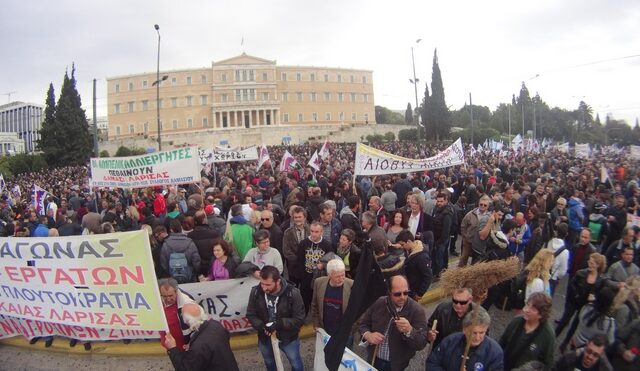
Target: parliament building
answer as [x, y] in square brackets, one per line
[238, 93]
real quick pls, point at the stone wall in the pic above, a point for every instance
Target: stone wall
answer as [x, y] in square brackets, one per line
[271, 135]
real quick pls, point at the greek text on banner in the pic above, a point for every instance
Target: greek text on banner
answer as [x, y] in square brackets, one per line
[175, 166]
[227, 155]
[372, 161]
[105, 280]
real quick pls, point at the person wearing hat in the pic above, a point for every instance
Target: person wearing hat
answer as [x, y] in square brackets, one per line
[214, 220]
[598, 225]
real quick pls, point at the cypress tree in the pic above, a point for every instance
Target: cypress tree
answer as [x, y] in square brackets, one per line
[47, 142]
[427, 123]
[437, 107]
[408, 115]
[73, 137]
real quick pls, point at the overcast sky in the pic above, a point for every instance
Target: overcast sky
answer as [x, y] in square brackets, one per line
[579, 49]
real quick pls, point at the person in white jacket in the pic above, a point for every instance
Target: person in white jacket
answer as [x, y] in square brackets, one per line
[561, 253]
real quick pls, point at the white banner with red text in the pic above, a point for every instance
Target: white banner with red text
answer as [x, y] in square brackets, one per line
[175, 166]
[372, 161]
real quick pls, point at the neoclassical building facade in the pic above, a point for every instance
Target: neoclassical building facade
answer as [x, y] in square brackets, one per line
[237, 93]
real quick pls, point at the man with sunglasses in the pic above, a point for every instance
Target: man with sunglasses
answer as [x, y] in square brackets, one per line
[267, 223]
[592, 357]
[449, 315]
[396, 326]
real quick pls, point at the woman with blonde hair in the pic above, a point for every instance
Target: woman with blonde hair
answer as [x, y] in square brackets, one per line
[538, 273]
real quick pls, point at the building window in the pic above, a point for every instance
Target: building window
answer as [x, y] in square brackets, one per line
[341, 116]
[245, 95]
[285, 97]
[190, 123]
[130, 86]
[174, 102]
[353, 79]
[339, 78]
[366, 118]
[174, 81]
[284, 76]
[238, 95]
[299, 94]
[116, 108]
[353, 97]
[364, 79]
[188, 80]
[326, 77]
[244, 75]
[298, 77]
[162, 125]
[174, 124]
[117, 130]
[313, 97]
[340, 97]
[315, 116]
[327, 97]
[252, 75]
[265, 96]
[145, 105]
[327, 116]
[312, 77]
[160, 103]
[285, 117]
[223, 77]
[205, 122]
[237, 75]
[145, 83]
[366, 98]
[203, 78]
[117, 88]
[264, 76]
[252, 95]
[146, 127]
[189, 100]
[224, 98]
[300, 117]
[203, 100]
[130, 106]
[354, 116]
[132, 128]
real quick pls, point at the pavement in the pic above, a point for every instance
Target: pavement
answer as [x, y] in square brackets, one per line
[16, 353]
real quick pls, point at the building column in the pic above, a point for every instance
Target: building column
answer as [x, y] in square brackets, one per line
[276, 115]
[213, 120]
[264, 117]
[250, 118]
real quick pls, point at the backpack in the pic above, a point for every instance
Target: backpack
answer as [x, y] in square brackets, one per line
[179, 267]
[596, 230]
[518, 290]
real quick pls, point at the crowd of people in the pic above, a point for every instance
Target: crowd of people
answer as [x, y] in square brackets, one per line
[301, 232]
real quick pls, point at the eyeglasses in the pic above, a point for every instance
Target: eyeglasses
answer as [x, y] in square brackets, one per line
[460, 302]
[485, 205]
[399, 294]
[265, 219]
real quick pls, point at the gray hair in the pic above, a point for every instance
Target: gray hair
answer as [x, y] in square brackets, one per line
[369, 217]
[168, 282]
[376, 199]
[335, 265]
[331, 204]
[482, 318]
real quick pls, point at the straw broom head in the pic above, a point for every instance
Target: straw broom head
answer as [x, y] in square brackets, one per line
[479, 277]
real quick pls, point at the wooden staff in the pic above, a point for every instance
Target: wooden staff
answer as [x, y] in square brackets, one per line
[375, 354]
[433, 328]
[276, 352]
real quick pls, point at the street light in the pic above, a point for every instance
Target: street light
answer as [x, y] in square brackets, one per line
[415, 87]
[157, 83]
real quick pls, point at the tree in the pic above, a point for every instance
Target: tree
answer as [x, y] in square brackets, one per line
[437, 107]
[47, 142]
[427, 123]
[389, 136]
[386, 116]
[408, 134]
[71, 122]
[408, 115]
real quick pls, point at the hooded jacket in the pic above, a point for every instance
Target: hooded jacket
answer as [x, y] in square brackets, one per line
[241, 235]
[561, 261]
[417, 268]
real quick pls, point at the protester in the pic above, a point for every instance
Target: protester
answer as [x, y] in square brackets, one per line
[264, 254]
[173, 301]
[449, 314]
[223, 264]
[591, 357]
[330, 297]
[417, 265]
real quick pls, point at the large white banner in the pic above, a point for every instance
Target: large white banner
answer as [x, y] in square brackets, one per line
[583, 150]
[635, 152]
[372, 161]
[226, 301]
[350, 360]
[228, 155]
[175, 166]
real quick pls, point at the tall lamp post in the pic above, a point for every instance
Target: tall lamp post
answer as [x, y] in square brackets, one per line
[415, 87]
[157, 84]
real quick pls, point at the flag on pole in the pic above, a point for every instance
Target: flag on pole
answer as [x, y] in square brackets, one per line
[263, 156]
[315, 161]
[2, 184]
[324, 151]
[604, 174]
[39, 195]
[16, 191]
[287, 161]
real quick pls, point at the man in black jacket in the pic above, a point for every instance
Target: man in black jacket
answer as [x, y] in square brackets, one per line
[449, 315]
[276, 308]
[209, 347]
[417, 265]
[442, 217]
[203, 236]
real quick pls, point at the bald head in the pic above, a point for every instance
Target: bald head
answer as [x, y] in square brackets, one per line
[192, 309]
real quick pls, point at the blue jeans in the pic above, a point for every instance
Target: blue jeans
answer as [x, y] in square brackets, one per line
[291, 350]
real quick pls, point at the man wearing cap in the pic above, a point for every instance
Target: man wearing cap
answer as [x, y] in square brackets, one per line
[214, 220]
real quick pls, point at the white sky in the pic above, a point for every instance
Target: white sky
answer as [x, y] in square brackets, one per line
[484, 47]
